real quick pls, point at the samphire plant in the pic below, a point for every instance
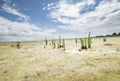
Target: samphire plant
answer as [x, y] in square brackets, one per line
[86, 42]
[89, 41]
[83, 43]
[18, 45]
[76, 41]
[104, 39]
[85, 47]
[53, 43]
[59, 42]
[46, 41]
[63, 45]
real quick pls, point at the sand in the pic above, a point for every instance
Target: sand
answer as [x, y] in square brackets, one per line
[33, 62]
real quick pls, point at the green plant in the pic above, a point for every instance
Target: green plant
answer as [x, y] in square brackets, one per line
[53, 44]
[85, 41]
[63, 44]
[18, 45]
[104, 39]
[89, 41]
[76, 40]
[82, 43]
[46, 41]
[85, 47]
[59, 43]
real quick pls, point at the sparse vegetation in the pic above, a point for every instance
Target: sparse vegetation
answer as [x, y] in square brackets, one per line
[59, 65]
[89, 41]
[104, 39]
[82, 43]
[46, 41]
[18, 45]
[53, 44]
[76, 41]
[63, 44]
[85, 42]
[59, 42]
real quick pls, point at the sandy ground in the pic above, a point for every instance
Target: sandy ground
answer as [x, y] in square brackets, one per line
[33, 62]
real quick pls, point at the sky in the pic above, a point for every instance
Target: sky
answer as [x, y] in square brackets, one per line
[25, 20]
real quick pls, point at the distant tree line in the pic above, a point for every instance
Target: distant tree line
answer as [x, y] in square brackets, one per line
[109, 35]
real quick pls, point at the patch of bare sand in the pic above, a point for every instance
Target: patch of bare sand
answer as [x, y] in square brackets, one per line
[33, 62]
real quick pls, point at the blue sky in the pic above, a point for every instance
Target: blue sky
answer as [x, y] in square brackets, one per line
[38, 19]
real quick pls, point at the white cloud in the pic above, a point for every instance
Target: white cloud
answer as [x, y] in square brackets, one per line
[90, 2]
[105, 16]
[11, 8]
[15, 31]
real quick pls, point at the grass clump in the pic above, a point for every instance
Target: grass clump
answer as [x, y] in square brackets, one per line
[86, 42]
[46, 41]
[89, 41]
[63, 45]
[59, 42]
[18, 45]
[53, 44]
[104, 39]
[83, 43]
[76, 41]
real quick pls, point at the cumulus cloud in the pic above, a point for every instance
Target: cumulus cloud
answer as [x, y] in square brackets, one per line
[14, 31]
[10, 8]
[10, 30]
[104, 16]
[20, 31]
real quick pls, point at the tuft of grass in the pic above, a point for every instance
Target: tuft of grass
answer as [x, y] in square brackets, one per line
[82, 43]
[89, 41]
[59, 42]
[104, 39]
[46, 41]
[53, 44]
[85, 47]
[63, 45]
[76, 41]
[18, 45]
[86, 42]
